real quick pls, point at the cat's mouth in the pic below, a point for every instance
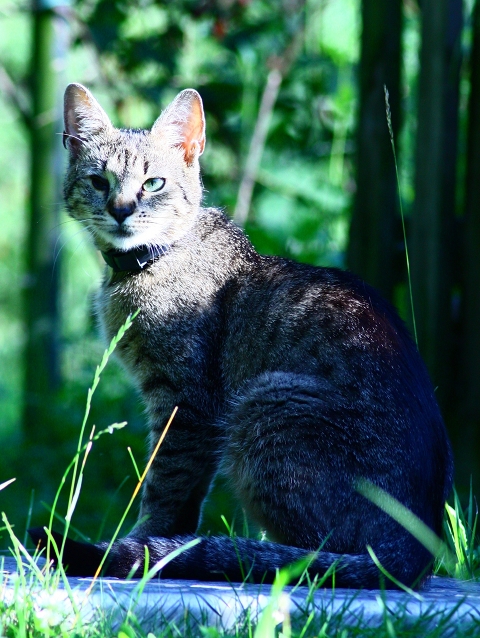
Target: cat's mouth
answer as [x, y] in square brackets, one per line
[121, 231]
[122, 237]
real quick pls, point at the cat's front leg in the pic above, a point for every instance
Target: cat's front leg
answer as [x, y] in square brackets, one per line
[179, 477]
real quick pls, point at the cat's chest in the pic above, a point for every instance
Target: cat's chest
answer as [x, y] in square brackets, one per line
[173, 333]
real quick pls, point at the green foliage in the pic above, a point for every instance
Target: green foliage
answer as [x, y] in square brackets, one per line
[13, 170]
[226, 50]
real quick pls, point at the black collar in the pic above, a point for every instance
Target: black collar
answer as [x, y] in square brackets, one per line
[134, 260]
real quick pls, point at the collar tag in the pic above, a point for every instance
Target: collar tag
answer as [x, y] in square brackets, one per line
[133, 260]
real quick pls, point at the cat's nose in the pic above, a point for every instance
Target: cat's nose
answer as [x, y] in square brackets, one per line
[120, 213]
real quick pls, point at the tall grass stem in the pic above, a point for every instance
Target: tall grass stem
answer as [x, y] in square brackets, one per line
[407, 259]
[74, 487]
[135, 492]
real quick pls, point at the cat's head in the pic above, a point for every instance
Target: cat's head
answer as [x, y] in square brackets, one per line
[133, 187]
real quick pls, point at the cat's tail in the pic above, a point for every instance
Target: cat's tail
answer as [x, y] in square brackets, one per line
[218, 558]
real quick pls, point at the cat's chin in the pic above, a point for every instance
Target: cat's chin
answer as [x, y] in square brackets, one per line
[126, 241]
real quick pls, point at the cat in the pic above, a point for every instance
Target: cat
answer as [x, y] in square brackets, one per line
[293, 381]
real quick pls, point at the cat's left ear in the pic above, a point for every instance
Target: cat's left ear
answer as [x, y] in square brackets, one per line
[183, 122]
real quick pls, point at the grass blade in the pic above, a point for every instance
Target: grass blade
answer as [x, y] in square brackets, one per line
[407, 258]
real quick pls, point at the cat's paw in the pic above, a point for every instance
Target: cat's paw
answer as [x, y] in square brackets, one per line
[78, 559]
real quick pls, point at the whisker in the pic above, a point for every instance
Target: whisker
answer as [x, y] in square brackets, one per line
[82, 242]
[56, 254]
[66, 239]
[65, 135]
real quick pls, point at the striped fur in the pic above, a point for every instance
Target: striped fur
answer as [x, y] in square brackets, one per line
[293, 381]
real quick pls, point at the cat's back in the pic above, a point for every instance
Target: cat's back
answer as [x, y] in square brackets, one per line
[298, 314]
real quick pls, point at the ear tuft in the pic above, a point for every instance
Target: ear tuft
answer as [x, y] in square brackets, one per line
[83, 117]
[183, 122]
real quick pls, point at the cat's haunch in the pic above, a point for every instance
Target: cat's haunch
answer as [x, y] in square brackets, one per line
[293, 381]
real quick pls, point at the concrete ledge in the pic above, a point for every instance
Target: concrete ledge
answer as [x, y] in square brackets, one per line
[443, 601]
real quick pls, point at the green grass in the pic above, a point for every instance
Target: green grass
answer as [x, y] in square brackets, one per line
[460, 533]
[39, 601]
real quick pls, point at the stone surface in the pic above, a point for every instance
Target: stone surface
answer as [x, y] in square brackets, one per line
[442, 602]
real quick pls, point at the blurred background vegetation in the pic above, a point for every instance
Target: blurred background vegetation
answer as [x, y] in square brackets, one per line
[298, 152]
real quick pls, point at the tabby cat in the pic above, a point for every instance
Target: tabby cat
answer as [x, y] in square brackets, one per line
[293, 381]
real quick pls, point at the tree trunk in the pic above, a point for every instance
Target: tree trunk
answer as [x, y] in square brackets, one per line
[374, 220]
[433, 220]
[467, 435]
[42, 275]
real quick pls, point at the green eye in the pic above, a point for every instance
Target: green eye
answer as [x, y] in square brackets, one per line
[154, 184]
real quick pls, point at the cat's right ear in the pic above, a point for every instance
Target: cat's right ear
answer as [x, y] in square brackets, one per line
[83, 117]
